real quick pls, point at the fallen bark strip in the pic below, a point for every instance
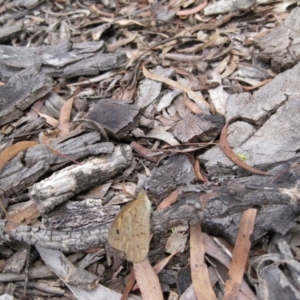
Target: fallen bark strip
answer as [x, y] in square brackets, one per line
[223, 202]
[74, 179]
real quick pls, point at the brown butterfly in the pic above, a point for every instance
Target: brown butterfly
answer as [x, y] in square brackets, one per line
[130, 230]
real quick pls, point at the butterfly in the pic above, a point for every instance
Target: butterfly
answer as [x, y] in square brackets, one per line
[130, 230]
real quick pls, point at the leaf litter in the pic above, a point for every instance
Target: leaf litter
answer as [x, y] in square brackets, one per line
[179, 58]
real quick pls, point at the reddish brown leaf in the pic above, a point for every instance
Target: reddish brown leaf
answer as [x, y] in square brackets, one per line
[65, 115]
[197, 97]
[147, 281]
[11, 151]
[193, 10]
[129, 285]
[144, 152]
[198, 173]
[199, 271]
[231, 155]
[192, 106]
[172, 198]
[250, 88]
[240, 255]
[51, 121]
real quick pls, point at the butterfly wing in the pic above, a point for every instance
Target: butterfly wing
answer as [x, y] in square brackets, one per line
[130, 230]
[138, 244]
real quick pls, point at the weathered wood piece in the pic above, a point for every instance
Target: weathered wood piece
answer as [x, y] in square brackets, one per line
[175, 173]
[278, 272]
[10, 30]
[149, 89]
[31, 124]
[50, 239]
[277, 283]
[191, 209]
[227, 6]
[52, 106]
[268, 135]
[15, 177]
[16, 262]
[34, 272]
[61, 60]
[68, 272]
[22, 90]
[75, 148]
[26, 168]
[98, 63]
[80, 214]
[64, 184]
[281, 45]
[116, 117]
[198, 128]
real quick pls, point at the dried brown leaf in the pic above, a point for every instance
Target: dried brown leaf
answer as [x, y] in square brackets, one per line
[161, 264]
[193, 10]
[231, 155]
[129, 285]
[144, 152]
[262, 83]
[11, 151]
[231, 67]
[193, 107]
[172, 198]
[113, 47]
[198, 173]
[199, 271]
[51, 121]
[147, 281]
[195, 96]
[240, 255]
[160, 134]
[65, 115]
[222, 254]
[26, 215]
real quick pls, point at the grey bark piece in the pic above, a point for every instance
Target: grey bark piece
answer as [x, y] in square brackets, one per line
[32, 124]
[94, 65]
[68, 272]
[226, 6]
[62, 60]
[198, 128]
[14, 181]
[16, 262]
[22, 90]
[275, 110]
[167, 99]
[57, 56]
[75, 148]
[116, 117]
[191, 208]
[281, 45]
[9, 30]
[6, 72]
[176, 172]
[16, 176]
[74, 179]
[267, 99]
[80, 214]
[53, 105]
[271, 218]
[274, 284]
[73, 241]
[26, 3]
[149, 90]
[216, 162]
